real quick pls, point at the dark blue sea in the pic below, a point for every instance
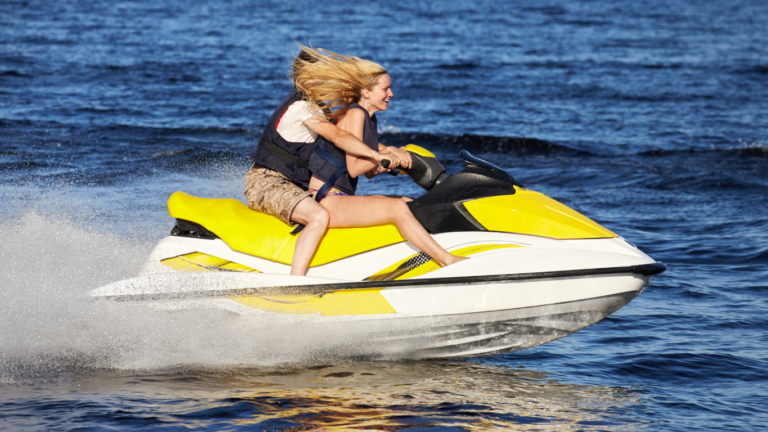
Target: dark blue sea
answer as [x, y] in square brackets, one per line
[650, 117]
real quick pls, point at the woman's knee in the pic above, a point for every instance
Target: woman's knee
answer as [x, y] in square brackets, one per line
[399, 208]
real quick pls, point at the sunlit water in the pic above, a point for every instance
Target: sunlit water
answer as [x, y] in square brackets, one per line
[649, 118]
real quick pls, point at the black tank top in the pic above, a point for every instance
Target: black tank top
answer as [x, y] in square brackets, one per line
[323, 169]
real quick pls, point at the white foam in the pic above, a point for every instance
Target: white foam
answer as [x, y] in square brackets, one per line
[49, 322]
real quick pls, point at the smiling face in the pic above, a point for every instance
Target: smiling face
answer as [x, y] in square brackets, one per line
[377, 98]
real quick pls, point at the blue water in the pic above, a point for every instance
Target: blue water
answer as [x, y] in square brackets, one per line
[649, 117]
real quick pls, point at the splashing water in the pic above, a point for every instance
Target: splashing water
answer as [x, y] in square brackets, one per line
[51, 324]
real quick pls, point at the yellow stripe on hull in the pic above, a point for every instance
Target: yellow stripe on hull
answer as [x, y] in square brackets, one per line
[353, 302]
[397, 271]
[200, 262]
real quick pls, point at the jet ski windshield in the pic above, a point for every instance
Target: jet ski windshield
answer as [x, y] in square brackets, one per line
[428, 172]
[469, 158]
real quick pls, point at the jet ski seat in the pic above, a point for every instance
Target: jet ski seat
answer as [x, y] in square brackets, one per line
[264, 236]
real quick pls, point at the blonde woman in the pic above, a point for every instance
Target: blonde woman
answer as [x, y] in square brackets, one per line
[275, 184]
[351, 91]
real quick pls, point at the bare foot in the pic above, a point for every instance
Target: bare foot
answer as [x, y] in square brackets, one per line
[453, 259]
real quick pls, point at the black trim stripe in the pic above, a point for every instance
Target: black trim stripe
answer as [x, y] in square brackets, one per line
[644, 269]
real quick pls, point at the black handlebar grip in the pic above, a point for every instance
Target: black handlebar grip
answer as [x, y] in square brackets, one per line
[385, 163]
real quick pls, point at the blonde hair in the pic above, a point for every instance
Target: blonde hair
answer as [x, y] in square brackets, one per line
[333, 81]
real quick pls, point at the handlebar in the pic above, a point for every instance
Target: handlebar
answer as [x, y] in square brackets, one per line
[426, 171]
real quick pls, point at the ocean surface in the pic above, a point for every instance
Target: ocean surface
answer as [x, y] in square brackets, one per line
[650, 117]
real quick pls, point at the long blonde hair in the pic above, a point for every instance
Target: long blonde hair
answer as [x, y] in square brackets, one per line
[332, 81]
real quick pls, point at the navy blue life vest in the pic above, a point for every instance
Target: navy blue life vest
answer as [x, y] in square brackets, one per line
[324, 167]
[290, 159]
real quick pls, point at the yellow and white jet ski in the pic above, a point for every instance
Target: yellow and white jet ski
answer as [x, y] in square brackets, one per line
[538, 269]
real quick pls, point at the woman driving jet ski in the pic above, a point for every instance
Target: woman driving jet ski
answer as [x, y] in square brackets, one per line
[352, 91]
[274, 184]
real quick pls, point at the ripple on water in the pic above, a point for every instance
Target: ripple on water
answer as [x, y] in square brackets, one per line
[378, 396]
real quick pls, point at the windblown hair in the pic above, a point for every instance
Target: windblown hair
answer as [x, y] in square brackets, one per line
[303, 58]
[333, 82]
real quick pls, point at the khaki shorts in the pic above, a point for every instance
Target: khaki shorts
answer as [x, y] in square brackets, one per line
[270, 192]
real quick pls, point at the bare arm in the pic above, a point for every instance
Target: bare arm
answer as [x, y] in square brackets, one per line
[353, 123]
[403, 155]
[354, 145]
[348, 142]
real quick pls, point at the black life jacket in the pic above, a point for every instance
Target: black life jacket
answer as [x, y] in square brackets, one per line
[328, 162]
[290, 159]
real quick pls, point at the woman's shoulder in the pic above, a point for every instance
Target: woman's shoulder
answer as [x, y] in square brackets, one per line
[356, 107]
[355, 114]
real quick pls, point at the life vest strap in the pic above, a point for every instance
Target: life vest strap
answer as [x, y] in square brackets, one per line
[341, 168]
[283, 153]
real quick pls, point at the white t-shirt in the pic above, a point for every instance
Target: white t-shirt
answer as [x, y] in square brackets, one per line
[291, 126]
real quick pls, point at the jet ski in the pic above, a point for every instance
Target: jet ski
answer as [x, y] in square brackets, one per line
[538, 270]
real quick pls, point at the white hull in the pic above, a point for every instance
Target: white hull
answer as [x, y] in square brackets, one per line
[542, 293]
[481, 333]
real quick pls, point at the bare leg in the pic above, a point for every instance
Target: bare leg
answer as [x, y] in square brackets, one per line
[355, 211]
[315, 219]
[404, 198]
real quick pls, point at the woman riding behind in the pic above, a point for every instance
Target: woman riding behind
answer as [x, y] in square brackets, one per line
[351, 91]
